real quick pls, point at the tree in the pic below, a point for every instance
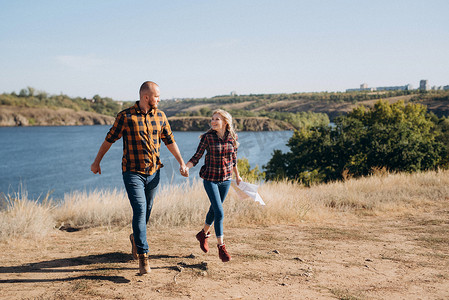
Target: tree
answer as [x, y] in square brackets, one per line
[23, 93]
[31, 91]
[245, 171]
[395, 136]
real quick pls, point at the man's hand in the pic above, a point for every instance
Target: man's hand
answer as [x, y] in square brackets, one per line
[95, 168]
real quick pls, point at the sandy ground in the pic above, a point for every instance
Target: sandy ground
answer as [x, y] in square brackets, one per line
[367, 258]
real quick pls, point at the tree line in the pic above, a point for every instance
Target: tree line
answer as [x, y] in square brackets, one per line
[30, 97]
[393, 137]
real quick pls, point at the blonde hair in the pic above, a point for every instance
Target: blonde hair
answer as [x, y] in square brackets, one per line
[227, 118]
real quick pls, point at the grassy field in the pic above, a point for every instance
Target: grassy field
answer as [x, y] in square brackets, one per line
[379, 237]
[384, 195]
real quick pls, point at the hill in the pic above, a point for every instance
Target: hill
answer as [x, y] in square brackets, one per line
[43, 116]
[331, 104]
[252, 112]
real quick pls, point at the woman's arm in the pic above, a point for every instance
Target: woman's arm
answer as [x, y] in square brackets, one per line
[237, 176]
[199, 152]
[234, 167]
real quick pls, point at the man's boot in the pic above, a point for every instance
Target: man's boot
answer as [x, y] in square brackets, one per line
[144, 264]
[133, 247]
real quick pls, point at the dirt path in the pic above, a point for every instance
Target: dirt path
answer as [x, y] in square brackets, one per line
[404, 258]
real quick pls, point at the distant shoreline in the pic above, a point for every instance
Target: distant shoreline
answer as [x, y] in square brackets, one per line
[17, 116]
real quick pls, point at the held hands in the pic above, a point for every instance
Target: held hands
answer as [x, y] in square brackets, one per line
[184, 170]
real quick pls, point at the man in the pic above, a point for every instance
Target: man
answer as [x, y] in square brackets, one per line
[142, 127]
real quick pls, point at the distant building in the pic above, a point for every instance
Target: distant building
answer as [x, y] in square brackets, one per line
[424, 85]
[394, 88]
[233, 93]
[364, 87]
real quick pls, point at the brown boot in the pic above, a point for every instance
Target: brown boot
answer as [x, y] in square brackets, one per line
[133, 246]
[202, 238]
[223, 254]
[144, 264]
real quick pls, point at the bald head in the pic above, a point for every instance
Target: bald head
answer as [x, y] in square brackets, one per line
[148, 87]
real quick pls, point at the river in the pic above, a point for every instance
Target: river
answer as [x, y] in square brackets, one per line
[56, 160]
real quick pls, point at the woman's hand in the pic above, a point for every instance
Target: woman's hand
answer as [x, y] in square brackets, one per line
[238, 179]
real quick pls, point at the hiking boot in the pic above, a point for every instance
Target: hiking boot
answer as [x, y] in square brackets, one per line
[202, 238]
[223, 254]
[144, 264]
[133, 246]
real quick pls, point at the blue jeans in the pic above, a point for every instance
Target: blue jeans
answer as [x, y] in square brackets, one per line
[141, 190]
[217, 191]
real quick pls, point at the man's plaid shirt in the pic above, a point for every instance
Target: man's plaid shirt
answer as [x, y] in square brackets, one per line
[220, 158]
[142, 134]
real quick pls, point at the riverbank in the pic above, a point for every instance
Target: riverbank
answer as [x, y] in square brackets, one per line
[42, 116]
[381, 237]
[11, 116]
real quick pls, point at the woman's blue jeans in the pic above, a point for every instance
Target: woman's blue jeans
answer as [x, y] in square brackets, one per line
[217, 191]
[141, 190]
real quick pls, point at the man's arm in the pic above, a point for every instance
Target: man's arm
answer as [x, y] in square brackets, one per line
[95, 167]
[173, 148]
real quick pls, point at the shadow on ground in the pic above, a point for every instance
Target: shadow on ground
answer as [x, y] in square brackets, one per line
[68, 265]
[65, 265]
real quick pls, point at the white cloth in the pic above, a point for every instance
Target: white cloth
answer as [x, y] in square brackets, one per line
[245, 189]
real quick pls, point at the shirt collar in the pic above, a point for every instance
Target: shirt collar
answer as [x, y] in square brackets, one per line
[225, 136]
[138, 110]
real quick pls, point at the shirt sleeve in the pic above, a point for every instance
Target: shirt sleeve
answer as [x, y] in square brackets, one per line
[234, 153]
[166, 133]
[199, 151]
[116, 130]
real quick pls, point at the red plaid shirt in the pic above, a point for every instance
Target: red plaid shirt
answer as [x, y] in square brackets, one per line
[220, 159]
[142, 134]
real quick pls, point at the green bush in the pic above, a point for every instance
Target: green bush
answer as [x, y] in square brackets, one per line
[395, 136]
[248, 174]
[31, 98]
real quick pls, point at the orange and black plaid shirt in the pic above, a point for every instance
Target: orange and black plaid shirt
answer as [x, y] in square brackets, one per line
[142, 134]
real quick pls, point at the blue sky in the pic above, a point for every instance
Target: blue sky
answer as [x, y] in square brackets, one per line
[203, 48]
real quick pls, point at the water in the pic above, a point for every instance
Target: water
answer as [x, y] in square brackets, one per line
[39, 160]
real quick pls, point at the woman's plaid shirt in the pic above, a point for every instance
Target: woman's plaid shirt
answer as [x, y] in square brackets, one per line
[220, 158]
[142, 134]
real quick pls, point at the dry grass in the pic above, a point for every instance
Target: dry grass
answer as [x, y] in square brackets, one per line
[26, 218]
[385, 195]
[97, 208]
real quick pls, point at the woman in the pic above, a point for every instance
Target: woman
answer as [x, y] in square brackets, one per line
[221, 160]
